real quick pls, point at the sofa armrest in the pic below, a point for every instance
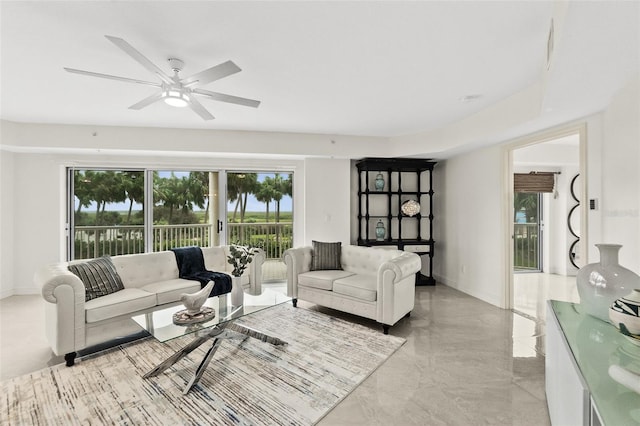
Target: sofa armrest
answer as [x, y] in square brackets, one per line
[64, 293]
[298, 261]
[403, 266]
[396, 287]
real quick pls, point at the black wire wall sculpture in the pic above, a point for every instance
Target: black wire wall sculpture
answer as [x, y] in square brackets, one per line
[574, 210]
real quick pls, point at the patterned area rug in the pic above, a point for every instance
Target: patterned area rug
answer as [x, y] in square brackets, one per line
[248, 382]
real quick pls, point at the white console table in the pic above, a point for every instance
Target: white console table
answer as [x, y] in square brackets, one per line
[580, 351]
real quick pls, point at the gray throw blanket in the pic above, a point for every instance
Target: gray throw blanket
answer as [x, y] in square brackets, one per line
[191, 267]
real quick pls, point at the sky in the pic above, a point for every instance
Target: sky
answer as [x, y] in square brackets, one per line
[253, 205]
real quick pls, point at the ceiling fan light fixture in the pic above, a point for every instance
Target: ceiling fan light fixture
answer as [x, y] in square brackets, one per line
[176, 98]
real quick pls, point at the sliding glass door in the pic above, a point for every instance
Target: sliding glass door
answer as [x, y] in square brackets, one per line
[260, 213]
[106, 212]
[185, 209]
[527, 232]
[124, 211]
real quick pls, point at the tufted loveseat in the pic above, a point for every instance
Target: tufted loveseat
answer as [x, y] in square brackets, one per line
[149, 280]
[374, 283]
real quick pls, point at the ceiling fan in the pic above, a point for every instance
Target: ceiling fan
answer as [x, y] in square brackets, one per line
[176, 91]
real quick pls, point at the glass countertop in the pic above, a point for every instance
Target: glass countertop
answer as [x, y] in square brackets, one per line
[598, 346]
[159, 323]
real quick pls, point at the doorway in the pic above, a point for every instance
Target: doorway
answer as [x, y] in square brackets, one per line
[260, 213]
[542, 246]
[528, 236]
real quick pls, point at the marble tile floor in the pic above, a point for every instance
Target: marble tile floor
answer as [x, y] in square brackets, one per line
[532, 290]
[465, 362]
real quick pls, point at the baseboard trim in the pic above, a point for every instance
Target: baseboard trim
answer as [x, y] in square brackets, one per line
[19, 292]
[488, 298]
[6, 293]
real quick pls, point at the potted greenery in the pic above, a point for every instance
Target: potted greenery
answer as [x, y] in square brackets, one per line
[240, 257]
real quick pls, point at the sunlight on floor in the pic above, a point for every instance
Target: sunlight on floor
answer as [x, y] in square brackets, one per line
[532, 290]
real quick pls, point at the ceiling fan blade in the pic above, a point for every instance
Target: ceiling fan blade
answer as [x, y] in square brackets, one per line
[227, 98]
[140, 58]
[112, 77]
[199, 109]
[147, 101]
[212, 74]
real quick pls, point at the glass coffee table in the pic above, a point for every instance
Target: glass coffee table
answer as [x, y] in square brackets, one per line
[159, 323]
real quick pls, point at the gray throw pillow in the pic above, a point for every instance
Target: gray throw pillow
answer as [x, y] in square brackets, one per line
[99, 277]
[326, 256]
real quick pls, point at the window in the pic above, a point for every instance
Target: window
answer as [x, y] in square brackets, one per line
[107, 214]
[185, 209]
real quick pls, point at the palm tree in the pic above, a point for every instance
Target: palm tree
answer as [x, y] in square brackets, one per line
[282, 187]
[266, 193]
[107, 188]
[239, 186]
[199, 190]
[528, 202]
[133, 184]
[82, 188]
[167, 192]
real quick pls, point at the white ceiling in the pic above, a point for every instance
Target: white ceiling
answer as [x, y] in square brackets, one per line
[384, 68]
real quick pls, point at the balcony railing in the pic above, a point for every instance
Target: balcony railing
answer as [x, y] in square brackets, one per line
[525, 240]
[95, 241]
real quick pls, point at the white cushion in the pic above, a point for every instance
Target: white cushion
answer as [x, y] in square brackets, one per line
[366, 260]
[362, 287]
[215, 259]
[321, 279]
[119, 303]
[171, 290]
[137, 270]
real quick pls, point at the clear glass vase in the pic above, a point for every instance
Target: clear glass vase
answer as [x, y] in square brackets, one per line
[601, 283]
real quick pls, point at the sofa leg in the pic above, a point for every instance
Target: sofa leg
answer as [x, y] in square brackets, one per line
[385, 328]
[70, 358]
[295, 302]
[408, 314]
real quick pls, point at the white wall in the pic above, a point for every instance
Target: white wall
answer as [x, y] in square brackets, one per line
[468, 224]
[7, 185]
[620, 160]
[327, 198]
[186, 142]
[468, 256]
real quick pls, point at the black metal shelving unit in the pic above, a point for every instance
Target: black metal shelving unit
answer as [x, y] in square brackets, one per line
[409, 233]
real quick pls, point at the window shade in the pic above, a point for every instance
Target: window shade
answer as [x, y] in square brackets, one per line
[533, 182]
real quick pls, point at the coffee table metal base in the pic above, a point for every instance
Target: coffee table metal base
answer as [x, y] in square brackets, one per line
[227, 330]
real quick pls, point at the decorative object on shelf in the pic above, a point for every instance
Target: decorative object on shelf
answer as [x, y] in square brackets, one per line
[410, 208]
[380, 231]
[194, 301]
[624, 313]
[379, 182]
[237, 294]
[601, 283]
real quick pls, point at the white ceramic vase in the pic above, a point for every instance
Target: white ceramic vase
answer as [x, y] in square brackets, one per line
[626, 310]
[601, 283]
[237, 294]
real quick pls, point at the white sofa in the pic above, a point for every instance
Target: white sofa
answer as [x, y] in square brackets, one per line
[374, 283]
[149, 279]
